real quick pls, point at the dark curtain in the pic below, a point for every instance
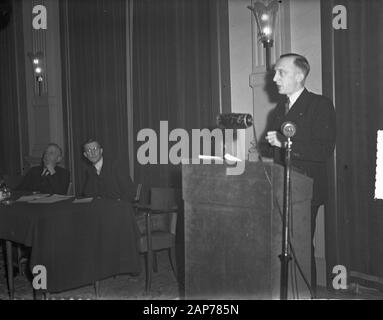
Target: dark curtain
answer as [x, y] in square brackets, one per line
[175, 73]
[12, 88]
[94, 78]
[358, 83]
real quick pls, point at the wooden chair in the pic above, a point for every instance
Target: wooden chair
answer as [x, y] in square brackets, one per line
[69, 191]
[157, 223]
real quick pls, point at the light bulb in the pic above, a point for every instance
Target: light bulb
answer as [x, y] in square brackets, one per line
[267, 31]
[38, 70]
[264, 17]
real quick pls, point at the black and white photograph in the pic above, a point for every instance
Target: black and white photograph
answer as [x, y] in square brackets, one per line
[191, 155]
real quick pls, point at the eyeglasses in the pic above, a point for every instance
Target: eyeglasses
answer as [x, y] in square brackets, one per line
[92, 150]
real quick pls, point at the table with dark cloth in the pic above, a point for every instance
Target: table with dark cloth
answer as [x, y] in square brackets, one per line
[77, 243]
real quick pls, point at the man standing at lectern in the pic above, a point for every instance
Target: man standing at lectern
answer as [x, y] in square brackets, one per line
[314, 141]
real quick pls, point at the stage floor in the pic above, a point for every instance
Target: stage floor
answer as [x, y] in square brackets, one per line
[164, 287]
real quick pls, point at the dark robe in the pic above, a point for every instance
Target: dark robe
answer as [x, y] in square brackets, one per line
[114, 181]
[53, 184]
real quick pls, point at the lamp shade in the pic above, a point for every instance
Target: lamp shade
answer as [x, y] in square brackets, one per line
[265, 17]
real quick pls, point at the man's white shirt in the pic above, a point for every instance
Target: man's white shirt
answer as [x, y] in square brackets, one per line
[294, 97]
[98, 165]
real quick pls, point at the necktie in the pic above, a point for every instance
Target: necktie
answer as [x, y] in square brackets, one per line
[45, 172]
[287, 106]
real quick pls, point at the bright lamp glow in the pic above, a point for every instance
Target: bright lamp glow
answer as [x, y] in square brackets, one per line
[264, 17]
[267, 31]
[38, 67]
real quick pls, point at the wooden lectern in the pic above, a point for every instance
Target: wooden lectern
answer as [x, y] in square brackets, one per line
[233, 229]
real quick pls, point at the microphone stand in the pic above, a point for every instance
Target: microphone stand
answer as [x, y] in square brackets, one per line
[285, 256]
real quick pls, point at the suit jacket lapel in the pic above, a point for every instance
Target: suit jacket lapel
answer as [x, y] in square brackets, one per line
[92, 170]
[104, 169]
[279, 116]
[300, 106]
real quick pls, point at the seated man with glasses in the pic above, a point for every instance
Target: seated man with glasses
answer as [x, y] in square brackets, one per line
[48, 177]
[106, 177]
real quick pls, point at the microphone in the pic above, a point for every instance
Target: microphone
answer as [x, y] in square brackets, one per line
[234, 120]
[288, 129]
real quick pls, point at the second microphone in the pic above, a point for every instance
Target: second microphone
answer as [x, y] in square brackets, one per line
[234, 120]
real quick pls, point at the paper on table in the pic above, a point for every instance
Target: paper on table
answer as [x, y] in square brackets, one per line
[206, 157]
[51, 199]
[32, 197]
[83, 200]
[228, 157]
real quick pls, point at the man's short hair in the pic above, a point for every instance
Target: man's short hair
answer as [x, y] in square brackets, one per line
[54, 145]
[91, 140]
[299, 61]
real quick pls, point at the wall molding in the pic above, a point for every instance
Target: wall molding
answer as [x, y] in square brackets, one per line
[257, 79]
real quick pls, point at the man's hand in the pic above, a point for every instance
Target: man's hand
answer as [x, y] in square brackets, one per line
[50, 168]
[272, 138]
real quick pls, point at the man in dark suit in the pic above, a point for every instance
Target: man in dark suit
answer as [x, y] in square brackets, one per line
[314, 141]
[48, 177]
[106, 177]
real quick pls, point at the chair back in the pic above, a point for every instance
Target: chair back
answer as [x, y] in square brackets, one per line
[163, 199]
[69, 191]
[137, 197]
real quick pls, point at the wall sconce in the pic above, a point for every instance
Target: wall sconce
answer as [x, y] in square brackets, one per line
[37, 60]
[265, 17]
